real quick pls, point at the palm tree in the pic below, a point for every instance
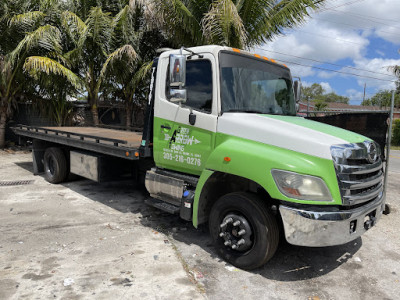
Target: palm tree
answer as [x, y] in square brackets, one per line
[23, 35]
[105, 55]
[93, 53]
[130, 84]
[240, 24]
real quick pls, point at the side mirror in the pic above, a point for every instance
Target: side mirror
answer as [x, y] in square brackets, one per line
[297, 90]
[177, 78]
[177, 95]
[177, 71]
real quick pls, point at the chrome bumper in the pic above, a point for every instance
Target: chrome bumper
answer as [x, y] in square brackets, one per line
[319, 229]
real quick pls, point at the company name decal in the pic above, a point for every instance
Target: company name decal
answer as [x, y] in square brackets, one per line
[180, 139]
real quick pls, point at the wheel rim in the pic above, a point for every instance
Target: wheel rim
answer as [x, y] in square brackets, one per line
[236, 232]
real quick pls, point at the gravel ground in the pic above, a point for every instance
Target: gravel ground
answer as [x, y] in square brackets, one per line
[88, 240]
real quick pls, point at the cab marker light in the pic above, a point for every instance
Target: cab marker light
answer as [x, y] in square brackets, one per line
[235, 50]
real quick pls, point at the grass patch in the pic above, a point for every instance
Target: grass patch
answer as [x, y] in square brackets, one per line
[394, 147]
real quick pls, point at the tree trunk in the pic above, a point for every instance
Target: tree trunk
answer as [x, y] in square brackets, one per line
[3, 122]
[95, 115]
[128, 116]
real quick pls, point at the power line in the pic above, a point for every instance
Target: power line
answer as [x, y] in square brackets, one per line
[325, 62]
[341, 5]
[329, 37]
[357, 27]
[355, 14]
[336, 71]
[364, 18]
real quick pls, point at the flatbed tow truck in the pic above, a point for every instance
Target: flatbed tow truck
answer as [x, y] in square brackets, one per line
[222, 144]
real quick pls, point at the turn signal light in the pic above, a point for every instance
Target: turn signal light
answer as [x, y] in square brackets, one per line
[227, 159]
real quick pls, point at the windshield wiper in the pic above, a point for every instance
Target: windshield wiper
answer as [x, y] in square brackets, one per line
[245, 111]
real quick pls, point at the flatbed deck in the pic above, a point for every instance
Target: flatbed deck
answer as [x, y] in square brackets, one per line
[119, 143]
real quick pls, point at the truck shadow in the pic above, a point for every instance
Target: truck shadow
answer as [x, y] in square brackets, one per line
[290, 263]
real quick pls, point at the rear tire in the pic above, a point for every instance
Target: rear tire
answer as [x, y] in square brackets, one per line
[55, 165]
[258, 227]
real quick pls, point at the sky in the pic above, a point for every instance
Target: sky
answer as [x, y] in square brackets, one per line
[360, 37]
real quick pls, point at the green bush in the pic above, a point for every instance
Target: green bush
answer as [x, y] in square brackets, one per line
[396, 133]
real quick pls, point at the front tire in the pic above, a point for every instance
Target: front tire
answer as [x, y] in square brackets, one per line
[55, 165]
[245, 233]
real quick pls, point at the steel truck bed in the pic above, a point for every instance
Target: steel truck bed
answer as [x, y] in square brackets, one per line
[118, 143]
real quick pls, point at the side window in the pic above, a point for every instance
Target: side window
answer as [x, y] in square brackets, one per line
[198, 85]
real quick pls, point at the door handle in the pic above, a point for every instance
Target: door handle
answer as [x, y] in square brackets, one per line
[165, 127]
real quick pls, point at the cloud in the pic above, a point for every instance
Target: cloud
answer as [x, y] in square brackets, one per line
[355, 96]
[342, 33]
[378, 18]
[377, 68]
[327, 88]
[326, 74]
[316, 42]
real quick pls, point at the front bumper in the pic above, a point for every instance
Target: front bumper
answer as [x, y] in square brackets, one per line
[319, 229]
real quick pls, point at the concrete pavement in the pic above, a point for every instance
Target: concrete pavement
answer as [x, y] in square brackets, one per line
[394, 161]
[82, 240]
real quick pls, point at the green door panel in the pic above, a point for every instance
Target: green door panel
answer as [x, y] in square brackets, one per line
[181, 147]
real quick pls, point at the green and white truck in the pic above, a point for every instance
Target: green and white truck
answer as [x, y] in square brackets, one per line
[222, 144]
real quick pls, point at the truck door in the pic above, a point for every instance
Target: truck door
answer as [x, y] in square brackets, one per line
[178, 144]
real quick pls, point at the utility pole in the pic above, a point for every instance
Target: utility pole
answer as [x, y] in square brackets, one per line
[365, 86]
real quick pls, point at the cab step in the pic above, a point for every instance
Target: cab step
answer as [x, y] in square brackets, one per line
[164, 206]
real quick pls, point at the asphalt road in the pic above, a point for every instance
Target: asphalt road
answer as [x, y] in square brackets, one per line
[394, 161]
[110, 244]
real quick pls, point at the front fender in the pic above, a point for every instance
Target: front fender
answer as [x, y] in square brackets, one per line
[255, 160]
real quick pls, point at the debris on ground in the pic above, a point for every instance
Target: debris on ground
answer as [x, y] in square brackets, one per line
[231, 268]
[68, 281]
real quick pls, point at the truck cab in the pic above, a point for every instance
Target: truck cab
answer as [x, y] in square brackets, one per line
[225, 132]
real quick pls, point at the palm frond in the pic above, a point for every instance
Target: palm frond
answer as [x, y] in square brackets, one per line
[26, 20]
[287, 14]
[177, 20]
[73, 56]
[99, 28]
[36, 64]
[47, 37]
[395, 70]
[142, 73]
[126, 52]
[73, 25]
[123, 26]
[122, 17]
[223, 25]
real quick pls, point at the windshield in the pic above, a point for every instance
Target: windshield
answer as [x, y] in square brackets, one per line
[251, 85]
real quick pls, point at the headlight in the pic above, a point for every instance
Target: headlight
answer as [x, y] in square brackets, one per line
[302, 187]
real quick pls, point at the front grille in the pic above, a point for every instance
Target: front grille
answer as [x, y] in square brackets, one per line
[359, 179]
